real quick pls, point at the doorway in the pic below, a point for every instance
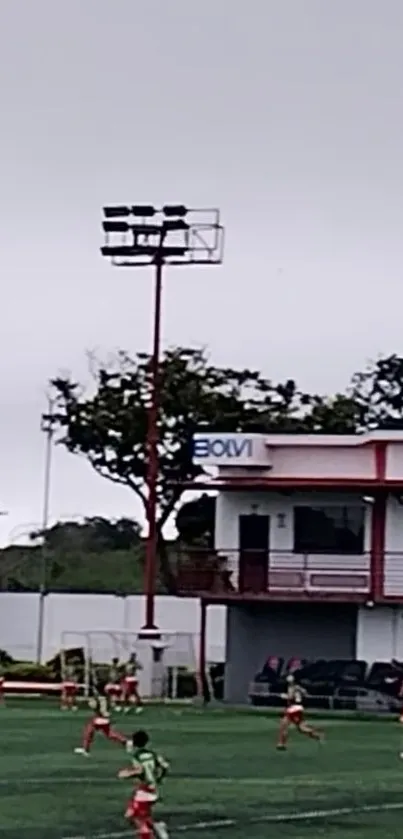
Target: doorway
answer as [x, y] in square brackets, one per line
[254, 544]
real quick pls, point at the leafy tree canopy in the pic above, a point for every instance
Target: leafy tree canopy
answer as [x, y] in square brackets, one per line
[195, 521]
[91, 555]
[91, 535]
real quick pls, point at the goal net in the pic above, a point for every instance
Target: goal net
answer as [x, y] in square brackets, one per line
[164, 663]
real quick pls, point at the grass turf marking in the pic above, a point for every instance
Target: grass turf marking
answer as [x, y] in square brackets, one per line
[279, 818]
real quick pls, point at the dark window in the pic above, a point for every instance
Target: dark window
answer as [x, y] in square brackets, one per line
[329, 530]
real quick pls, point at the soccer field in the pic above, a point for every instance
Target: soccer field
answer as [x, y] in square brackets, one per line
[227, 778]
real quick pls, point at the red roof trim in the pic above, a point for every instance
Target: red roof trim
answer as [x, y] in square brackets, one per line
[278, 596]
[293, 483]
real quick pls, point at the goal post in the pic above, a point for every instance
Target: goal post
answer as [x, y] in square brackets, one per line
[162, 660]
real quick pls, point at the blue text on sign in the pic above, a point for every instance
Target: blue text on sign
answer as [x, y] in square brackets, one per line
[229, 447]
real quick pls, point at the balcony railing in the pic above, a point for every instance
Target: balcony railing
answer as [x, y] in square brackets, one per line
[274, 573]
[392, 584]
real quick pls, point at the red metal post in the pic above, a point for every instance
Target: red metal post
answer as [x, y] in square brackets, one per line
[202, 644]
[152, 450]
[378, 527]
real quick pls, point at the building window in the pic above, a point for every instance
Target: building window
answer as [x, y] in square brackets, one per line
[329, 530]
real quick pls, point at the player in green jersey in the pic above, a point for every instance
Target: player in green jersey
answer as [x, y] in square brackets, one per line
[147, 770]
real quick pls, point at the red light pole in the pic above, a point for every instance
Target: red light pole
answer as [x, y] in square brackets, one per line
[174, 235]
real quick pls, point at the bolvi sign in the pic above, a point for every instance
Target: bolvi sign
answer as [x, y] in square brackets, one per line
[223, 448]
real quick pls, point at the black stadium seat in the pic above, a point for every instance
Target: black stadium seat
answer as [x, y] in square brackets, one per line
[273, 663]
[270, 670]
[322, 678]
[386, 678]
[294, 665]
[332, 682]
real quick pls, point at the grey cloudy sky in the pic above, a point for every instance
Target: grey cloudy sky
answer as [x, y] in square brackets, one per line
[287, 114]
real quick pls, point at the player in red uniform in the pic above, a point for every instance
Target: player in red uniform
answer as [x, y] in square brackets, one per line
[113, 689]
[69, 689]
[130, 691]
[294, 714]
[147, 770]
[100, 721]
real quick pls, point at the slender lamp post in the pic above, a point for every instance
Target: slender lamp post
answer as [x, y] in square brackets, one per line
[141, 235]
[48, 429]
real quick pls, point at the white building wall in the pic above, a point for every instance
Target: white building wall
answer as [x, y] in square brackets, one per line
[394, 461]
[79, 613]
[393, 582]
[231, 505]
[380, 633]
[322, 461]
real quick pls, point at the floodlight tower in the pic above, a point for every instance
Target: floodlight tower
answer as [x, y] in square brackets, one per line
[141, 235]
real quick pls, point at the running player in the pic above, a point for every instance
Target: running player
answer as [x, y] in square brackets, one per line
[130, 691]
[148, 770]
[100, 721]
[2, 689]
[294, 714]
[69, 689]
[113, 689]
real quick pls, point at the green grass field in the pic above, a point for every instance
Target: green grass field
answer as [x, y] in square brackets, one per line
[227, 778]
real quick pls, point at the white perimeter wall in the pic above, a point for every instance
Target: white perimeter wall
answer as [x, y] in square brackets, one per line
[379, 630]
[91, 612]
[380, 633]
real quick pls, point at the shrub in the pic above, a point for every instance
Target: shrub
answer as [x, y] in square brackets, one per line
[26, 671]
[74, 655]
[5, 658]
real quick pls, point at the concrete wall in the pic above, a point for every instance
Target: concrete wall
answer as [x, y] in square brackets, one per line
[380, 633]
[303, 630]
[77, 613]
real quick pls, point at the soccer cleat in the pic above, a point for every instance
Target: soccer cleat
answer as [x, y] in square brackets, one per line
[139, 709]
[281, 747]
[161, 830]
[81, 751]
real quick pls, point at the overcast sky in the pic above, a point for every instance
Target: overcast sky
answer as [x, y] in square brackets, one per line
[287, 114]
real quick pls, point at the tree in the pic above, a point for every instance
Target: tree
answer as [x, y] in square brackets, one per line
[94, 554]
[107, 423]
[96, 535]
[378, 393]
[195, 521]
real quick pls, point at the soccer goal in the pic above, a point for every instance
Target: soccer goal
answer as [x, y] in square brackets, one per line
[161, 660]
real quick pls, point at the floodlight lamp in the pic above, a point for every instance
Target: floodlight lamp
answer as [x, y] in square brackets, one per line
[175, 210]
[175, 224]
[115, 226]
[146, 229]
[173, 250]
[144, 210]
[117, 251]
[116, 212]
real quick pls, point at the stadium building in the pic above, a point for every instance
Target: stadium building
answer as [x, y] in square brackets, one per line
[308, 551]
